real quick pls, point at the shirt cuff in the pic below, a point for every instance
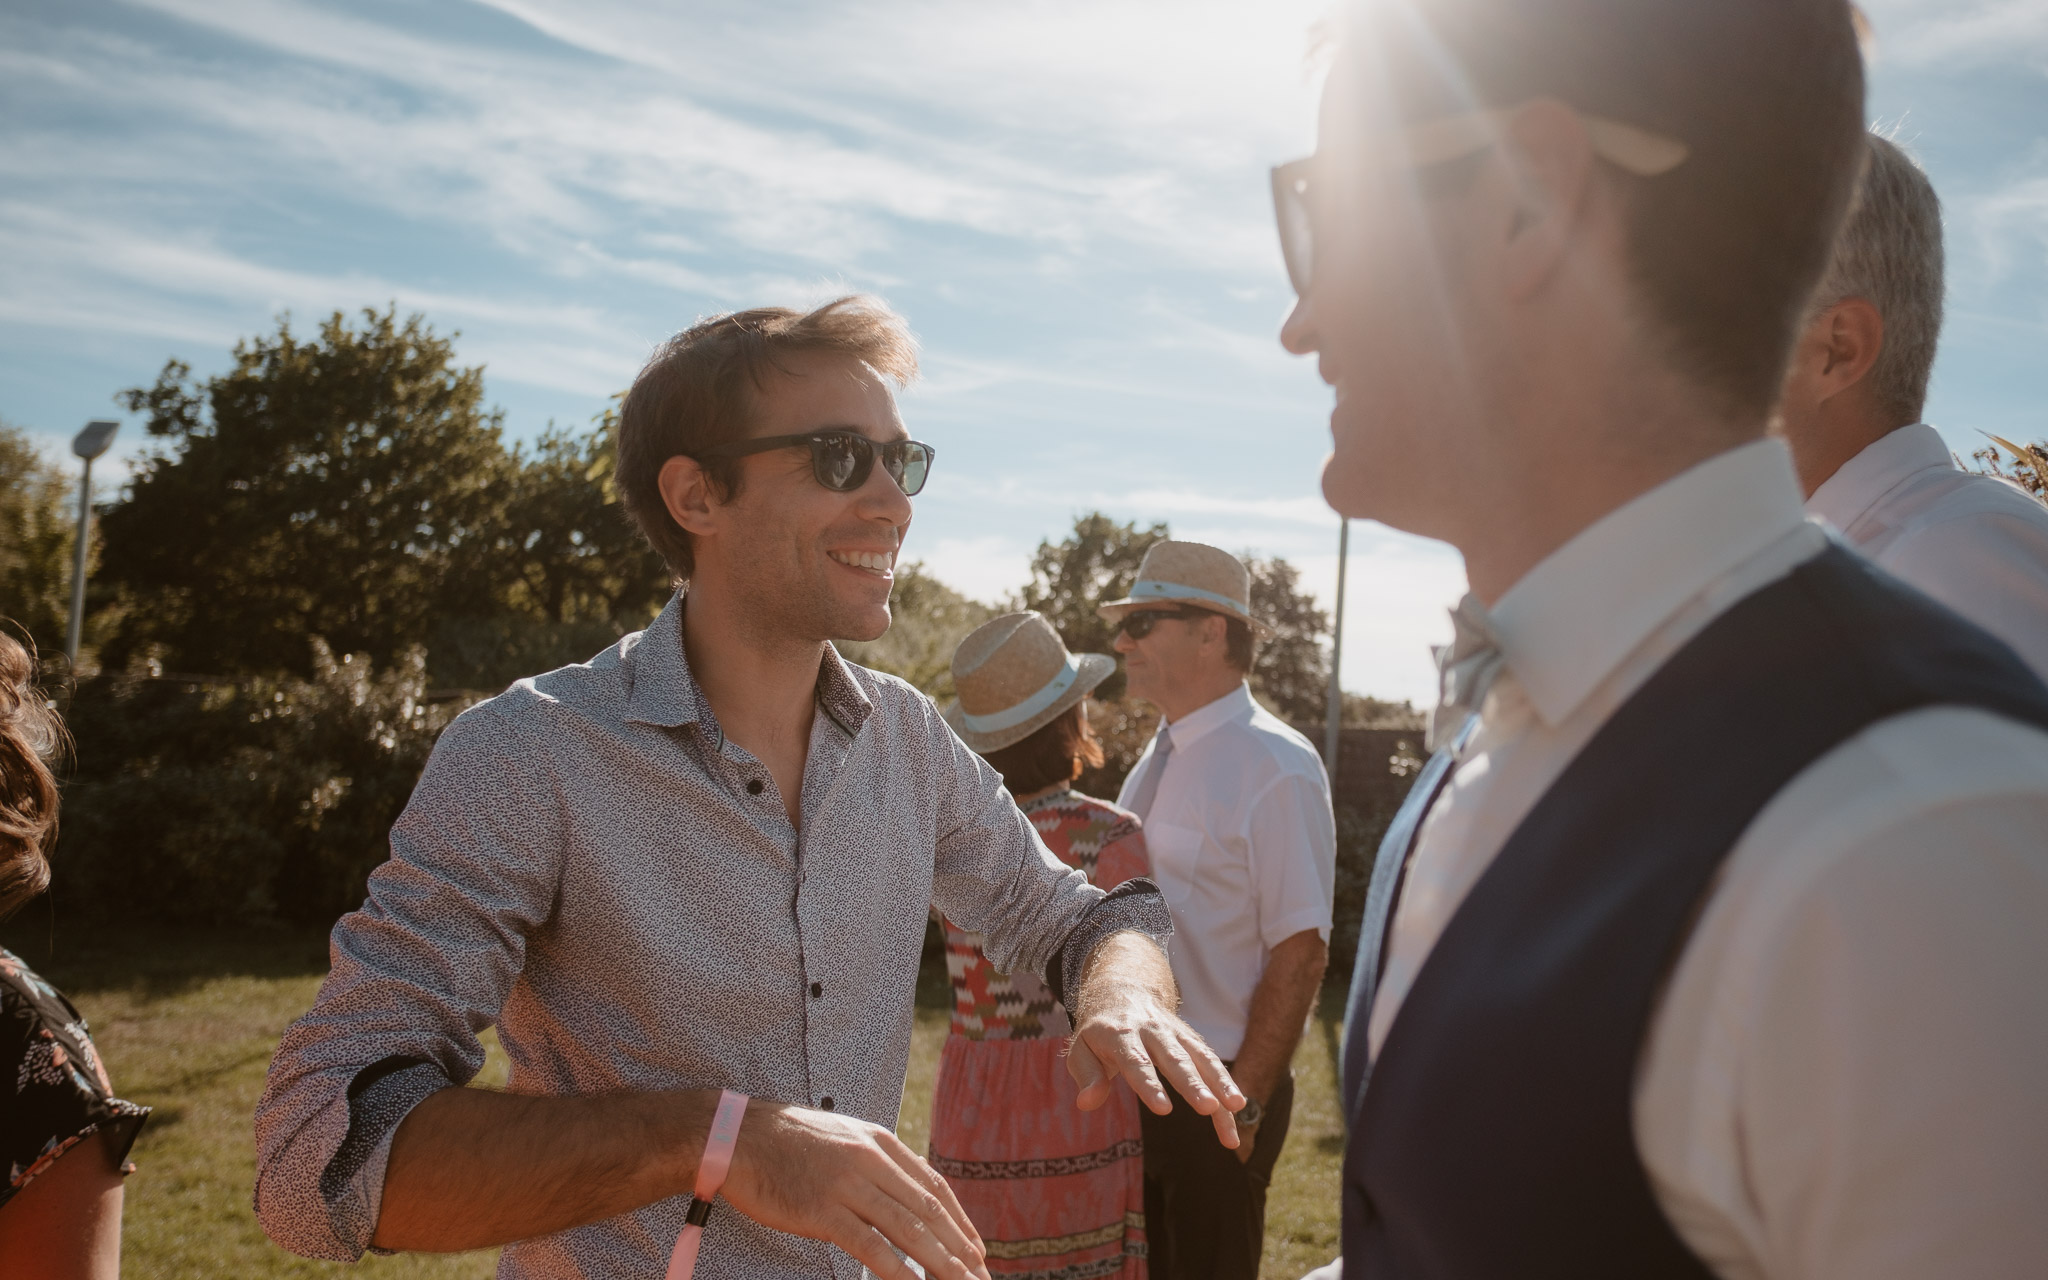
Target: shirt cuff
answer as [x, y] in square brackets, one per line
[352, 1185]
[1135, 906]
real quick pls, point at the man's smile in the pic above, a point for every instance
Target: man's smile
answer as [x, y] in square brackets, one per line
[880, 564]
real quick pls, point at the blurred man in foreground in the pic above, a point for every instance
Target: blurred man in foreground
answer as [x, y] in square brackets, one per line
[1851, 414]
[702, 863]
[1237, 818]
[1710, 941]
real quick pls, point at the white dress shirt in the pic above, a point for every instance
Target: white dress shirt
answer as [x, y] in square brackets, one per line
[1847, 1072]
[1976, 543]
[1244, 848]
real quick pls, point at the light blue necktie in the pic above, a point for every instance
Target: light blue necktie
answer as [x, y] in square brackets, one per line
[1155, 769]
[1466, 670]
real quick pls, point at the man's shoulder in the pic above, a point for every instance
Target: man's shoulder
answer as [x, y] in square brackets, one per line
[593, 691]
[1282, 741]
[1957, 503]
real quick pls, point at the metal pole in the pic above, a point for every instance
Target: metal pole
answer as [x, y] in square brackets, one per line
[87, 444]
[78, 565]
[1333, 718]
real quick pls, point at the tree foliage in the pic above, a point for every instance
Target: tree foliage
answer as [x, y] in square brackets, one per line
[37, 528]
[352, 487]
[1070, 578]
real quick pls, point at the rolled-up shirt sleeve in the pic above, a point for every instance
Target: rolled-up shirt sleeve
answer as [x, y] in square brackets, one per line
[1293, 838]
[416, 976]
[994, 876]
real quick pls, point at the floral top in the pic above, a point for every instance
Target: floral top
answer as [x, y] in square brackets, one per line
[1093, 835]
[60, 1093]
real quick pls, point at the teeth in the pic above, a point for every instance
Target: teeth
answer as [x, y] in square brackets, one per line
[872, 561]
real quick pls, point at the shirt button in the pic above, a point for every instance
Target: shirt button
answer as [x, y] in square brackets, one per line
[754, 787]
[826, 1102]
[817, 989]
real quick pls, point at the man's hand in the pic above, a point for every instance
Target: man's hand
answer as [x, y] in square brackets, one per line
[852, 1184]
[1246, 1140]
[1125, 1026]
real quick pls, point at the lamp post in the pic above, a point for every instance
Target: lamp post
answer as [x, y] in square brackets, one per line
[1333, 719]
[88, 444]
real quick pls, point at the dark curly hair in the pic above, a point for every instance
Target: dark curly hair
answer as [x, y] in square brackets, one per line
[31, 736]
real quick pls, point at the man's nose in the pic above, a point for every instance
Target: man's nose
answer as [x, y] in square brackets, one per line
[1297, 331]
[881, 498]
[1122, 642]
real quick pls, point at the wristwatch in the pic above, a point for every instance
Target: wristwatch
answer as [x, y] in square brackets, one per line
[1252, 1113]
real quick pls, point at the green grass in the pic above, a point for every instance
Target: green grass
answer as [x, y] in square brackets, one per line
[186, 1022]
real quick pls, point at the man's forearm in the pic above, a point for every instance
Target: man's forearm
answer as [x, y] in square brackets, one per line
[1279, 1008]
[473, 1168]
[1125, 961]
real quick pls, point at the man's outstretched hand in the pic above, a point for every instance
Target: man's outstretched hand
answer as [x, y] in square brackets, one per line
[852, 1184]
[1125, 1026]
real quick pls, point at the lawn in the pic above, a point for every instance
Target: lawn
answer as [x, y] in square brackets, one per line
[187, 1023]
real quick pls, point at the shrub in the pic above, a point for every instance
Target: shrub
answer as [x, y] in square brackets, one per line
[217, 802]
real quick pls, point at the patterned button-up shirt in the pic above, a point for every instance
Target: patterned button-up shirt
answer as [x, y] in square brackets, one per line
[590, 865]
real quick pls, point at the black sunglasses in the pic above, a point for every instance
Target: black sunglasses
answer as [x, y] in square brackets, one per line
[843, 460]
[1138, 623]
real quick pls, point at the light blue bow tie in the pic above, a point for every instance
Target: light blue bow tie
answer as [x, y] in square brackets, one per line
[1466, 669]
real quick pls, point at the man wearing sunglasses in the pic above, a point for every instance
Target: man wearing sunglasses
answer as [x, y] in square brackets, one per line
[1710, 942]
[1236, 810]
[702, 862]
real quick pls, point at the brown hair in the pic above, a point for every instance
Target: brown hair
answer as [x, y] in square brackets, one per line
[696, 393]
[30, 735]
[1052, 756]
[1766, 94]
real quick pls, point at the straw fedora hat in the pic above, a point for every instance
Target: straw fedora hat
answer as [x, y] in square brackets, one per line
[1014, 678]
[1191, 573]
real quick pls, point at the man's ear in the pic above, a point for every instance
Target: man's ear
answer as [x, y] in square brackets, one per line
[1549, 160]
[689, 495]
[1848, 337]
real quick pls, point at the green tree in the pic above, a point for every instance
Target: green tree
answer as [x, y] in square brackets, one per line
[348, 487]
[1071, 577]
[928, 620]
[37, 526]
[570, 573]
[1291, 673]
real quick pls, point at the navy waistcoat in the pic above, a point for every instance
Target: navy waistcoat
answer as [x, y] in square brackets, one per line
[1495, 1135]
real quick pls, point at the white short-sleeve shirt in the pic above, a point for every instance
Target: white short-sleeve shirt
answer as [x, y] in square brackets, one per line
[1244, 847]
[1976, 543]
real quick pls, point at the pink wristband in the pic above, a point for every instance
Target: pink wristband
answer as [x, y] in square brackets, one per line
[712, 1167]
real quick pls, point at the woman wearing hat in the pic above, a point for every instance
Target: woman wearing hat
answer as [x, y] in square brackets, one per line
[1052, 1189]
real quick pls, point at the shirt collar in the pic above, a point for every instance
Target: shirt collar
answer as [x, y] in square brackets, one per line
[660, 689]
[1235, 705]
[1571, 620]
[1857, 485]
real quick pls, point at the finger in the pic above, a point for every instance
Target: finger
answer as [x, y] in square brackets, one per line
[1226, 1127]
[931, 1196]
[1175, 1067]
[1128, 1056]
[911, 1232]
[1095, 1083]
[865, 1245]
[930, 1179]
[1221, 1082]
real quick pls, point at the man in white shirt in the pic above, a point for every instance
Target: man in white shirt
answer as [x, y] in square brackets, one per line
[1714, 939]
[1238, 823]
[1870, 467]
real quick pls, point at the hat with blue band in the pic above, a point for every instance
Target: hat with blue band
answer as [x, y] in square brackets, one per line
[1190, 573]
[1014, 676]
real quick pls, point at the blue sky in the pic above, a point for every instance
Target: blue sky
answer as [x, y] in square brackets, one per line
[1068, 200]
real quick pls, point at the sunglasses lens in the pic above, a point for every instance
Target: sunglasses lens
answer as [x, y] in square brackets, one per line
[1139, 625]
[910, 463]
[841, 463]
[1297, 234]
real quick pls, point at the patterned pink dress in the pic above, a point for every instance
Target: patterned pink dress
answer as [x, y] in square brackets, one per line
[1057, 1193]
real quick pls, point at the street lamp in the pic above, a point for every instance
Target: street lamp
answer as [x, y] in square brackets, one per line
[1333, 719]
[88, 444]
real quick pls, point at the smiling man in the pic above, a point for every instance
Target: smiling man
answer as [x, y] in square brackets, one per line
[1710, 942]
[702, 862]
